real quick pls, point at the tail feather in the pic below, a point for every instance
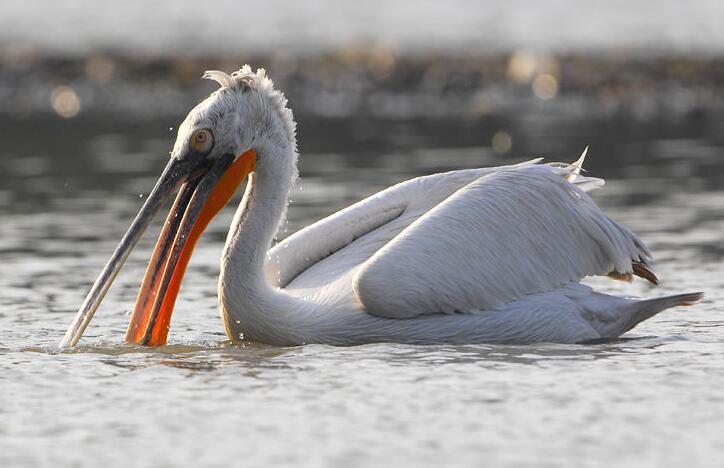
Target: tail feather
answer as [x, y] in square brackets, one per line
[644, 309]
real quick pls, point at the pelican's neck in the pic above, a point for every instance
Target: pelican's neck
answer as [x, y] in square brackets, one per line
[258, 217]
[248, 302]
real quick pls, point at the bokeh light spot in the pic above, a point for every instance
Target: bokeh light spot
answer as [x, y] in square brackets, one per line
[521, 66]
[502, 142]
[65, 101]
[545, 86]
[99, 69]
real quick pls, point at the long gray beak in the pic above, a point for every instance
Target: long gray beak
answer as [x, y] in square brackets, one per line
[173, 176]
[204, 186]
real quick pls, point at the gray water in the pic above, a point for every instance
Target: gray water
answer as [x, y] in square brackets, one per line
[652, 398]
[188, 27]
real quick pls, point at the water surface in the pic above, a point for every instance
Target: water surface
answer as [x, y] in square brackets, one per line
[651, 399]
[240, 26]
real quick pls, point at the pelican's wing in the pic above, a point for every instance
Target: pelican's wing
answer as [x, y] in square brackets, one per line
[385, 214]
[503, 236]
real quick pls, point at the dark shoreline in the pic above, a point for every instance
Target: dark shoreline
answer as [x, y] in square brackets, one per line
[378, 83]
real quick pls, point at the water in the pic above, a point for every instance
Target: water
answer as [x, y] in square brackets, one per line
[404, 90]
[244, 26]
[651, 399]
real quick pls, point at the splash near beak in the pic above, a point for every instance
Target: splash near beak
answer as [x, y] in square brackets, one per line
[202, 193]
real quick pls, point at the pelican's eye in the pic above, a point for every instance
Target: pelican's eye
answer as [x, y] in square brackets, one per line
[202, 141]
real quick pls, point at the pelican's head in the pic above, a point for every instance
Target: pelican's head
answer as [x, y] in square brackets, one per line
[216, 148]
[246, 113]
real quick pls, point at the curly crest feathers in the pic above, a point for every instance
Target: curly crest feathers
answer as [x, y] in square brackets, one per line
[223, 78]
[259, 81]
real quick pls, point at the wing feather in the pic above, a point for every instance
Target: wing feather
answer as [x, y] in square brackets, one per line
[505, 235]
[321, 240]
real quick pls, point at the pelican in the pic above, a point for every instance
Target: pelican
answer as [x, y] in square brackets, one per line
[489, 255]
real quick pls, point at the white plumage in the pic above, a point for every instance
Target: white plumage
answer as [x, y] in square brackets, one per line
[481, 255]
[472, 256]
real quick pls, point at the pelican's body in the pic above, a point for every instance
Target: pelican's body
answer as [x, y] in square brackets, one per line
[472, 256]
[432, 248]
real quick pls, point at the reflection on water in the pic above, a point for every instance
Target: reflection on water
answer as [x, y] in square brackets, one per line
[651, 398]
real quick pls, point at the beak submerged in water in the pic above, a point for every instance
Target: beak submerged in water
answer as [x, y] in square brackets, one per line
[203, 187]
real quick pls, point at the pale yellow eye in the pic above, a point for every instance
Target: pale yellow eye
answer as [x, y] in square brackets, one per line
[202, 141]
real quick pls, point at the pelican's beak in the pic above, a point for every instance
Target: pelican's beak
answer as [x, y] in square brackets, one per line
[204, 187]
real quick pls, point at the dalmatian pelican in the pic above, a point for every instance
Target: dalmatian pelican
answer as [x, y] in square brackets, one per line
[489, 255]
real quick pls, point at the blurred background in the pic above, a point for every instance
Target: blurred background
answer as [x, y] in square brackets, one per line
[91, 94]
[518, 79]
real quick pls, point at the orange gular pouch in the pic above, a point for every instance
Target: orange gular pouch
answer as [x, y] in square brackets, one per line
[196, 204]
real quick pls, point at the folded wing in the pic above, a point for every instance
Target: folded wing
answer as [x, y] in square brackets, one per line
[298, 255]
[505, 235]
